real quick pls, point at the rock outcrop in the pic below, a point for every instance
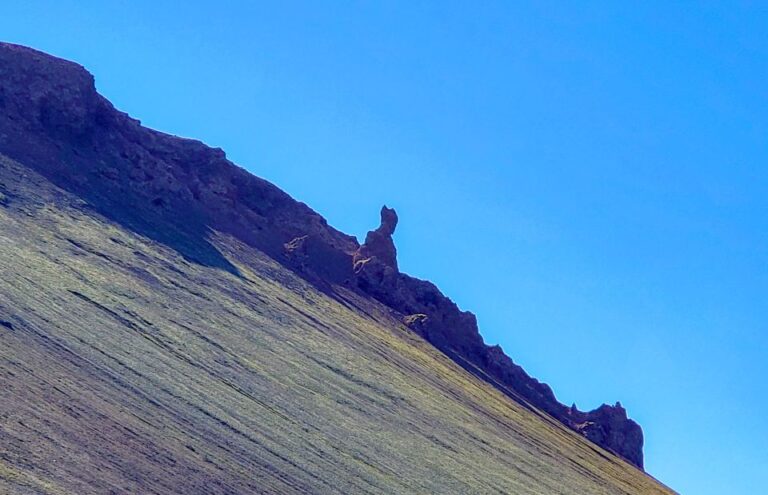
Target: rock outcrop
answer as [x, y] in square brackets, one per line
[609, 427]
[379, 244]
[455, 332]
[177, 191]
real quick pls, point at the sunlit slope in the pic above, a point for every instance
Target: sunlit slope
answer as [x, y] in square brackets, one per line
[126, 369]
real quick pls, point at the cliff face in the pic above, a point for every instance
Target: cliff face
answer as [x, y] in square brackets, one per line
[177, 191]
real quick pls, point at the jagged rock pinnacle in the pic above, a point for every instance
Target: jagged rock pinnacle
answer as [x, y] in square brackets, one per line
[388, 221]
[378, 243]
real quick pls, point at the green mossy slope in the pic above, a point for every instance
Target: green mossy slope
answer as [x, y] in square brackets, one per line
[125, 368]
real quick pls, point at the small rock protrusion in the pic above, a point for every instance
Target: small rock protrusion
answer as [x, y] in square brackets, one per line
[295, 244]
[415, 320]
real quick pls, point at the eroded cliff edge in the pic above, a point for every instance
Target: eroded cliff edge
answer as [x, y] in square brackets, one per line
[176, 191]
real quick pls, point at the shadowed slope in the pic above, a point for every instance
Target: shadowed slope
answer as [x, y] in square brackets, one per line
[124, 368]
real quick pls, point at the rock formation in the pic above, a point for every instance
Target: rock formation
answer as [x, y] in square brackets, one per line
[379, 244]
[456, 333]
[178, 191]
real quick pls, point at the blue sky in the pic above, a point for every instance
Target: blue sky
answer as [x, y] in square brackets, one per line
[591, 180]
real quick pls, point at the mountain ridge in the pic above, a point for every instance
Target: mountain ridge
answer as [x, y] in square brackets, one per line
[176, 191]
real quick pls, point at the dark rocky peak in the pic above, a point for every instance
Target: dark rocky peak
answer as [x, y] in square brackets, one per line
[44, 91]
[177, 191]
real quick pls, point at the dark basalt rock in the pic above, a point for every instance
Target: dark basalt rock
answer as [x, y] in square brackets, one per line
[177, 191]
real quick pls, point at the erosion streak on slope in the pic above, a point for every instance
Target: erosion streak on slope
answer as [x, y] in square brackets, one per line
[126, 368]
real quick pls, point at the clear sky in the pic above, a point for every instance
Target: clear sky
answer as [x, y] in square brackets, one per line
[591, 180]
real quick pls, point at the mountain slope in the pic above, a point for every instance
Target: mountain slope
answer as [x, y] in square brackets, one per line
[175, 190]
[172, 324]
[125, 368]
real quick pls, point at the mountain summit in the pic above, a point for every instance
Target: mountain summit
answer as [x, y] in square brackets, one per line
[165, 311]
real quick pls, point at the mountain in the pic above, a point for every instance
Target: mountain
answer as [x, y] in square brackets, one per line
[171, 323]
